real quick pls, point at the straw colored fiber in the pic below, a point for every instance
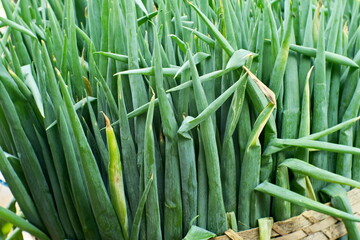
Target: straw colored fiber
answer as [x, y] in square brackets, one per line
[310, 225]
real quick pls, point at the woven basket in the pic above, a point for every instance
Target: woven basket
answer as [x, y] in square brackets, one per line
[310, 225]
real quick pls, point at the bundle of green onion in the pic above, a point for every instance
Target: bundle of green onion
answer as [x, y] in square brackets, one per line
[165, 119]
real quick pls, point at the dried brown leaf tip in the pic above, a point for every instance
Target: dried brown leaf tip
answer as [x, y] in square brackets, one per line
[107, 120]
[267, 91]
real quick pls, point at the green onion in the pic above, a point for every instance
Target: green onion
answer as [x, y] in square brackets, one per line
[116, 180]
[215, 115]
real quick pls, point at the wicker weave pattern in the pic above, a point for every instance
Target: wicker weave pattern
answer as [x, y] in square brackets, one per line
[310, 225]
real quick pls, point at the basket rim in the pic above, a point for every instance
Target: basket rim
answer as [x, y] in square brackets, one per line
[308, 225]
